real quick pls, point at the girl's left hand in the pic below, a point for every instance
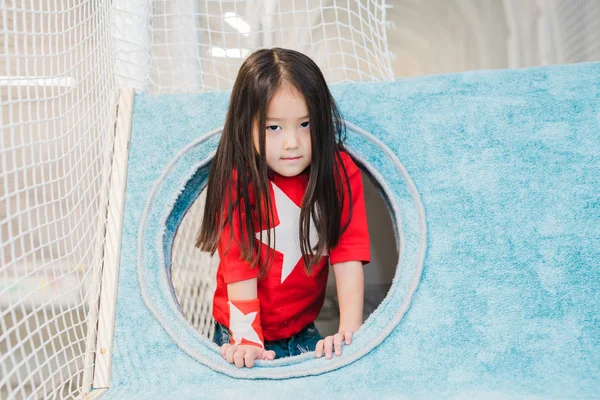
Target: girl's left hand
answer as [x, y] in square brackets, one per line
[333, 343]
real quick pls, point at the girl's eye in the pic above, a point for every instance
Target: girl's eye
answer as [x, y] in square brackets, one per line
[305, 124]
[273, 127]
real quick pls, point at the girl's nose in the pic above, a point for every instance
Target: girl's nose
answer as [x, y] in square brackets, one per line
[291, 141]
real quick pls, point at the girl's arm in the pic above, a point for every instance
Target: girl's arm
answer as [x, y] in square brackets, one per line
[350, 279]
[244, 294]
[242, 290]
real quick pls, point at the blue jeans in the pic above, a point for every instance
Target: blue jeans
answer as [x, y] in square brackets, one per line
[303, 342]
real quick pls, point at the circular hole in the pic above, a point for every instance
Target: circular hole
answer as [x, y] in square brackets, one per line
[194, 272]
[171, 200]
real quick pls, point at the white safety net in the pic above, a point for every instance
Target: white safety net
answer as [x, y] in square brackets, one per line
[56, 84]
[199, 46]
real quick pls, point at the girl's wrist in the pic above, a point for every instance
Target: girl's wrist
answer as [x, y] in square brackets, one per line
[346, 328]
[244, 323]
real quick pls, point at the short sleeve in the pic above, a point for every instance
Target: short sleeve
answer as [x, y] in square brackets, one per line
[354, 243]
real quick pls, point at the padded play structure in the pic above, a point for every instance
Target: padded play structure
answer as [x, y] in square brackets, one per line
[492, 180]
[482, 193]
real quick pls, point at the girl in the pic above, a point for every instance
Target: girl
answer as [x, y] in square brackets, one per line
[283, 200]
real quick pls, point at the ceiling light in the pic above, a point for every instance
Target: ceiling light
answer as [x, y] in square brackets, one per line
[237, 23]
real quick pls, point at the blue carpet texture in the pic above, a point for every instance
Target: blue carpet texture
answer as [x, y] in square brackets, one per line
[493, 181]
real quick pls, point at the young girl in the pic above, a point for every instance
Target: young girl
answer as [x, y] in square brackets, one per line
[283, 200]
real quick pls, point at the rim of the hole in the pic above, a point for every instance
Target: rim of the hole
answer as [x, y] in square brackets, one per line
[271, 368]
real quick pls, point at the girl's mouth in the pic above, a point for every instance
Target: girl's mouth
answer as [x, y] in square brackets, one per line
[291, 158]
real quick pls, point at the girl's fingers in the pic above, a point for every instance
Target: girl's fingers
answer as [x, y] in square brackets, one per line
[328, 347]
[239, 357]
[333, 343]
[268, 355]
[249, 359]
[229, 352]
[337, 342]
[319, 348]
[245, 355]
[224, 348]
[348, 336]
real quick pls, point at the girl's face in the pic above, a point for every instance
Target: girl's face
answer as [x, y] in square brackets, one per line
[287, 136]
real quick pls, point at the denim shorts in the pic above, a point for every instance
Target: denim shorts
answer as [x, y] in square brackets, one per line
[303, 342]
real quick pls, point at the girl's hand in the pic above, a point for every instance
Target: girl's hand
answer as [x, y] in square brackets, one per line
[244, 355]
[333, 342]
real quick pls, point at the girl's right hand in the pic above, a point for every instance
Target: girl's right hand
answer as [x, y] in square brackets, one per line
[244, 355]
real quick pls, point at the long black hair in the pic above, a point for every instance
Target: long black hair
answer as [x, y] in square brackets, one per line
[238, 168]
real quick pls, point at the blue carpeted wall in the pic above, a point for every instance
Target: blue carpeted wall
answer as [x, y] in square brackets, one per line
[493, 181]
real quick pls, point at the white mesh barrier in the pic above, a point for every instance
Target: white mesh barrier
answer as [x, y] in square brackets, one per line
[56, 83]
[194, 271]
[199, 46]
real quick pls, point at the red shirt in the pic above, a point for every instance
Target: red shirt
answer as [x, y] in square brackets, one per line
[289, 298]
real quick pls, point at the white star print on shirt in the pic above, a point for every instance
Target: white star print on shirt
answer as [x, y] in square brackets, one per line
[241, 325]
[288, 240]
